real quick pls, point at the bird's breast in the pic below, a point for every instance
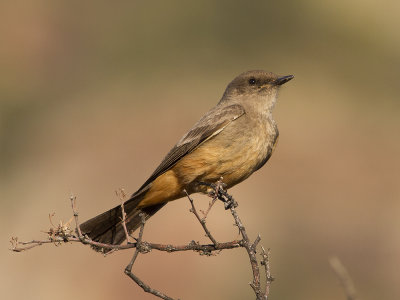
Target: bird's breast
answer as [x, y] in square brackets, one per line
[233, 154]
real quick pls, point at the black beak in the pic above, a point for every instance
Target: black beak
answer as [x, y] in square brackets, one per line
[283, 79]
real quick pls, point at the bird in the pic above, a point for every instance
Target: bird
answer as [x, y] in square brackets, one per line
[231, 141]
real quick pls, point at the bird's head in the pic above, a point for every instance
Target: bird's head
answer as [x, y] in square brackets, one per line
[256, 86]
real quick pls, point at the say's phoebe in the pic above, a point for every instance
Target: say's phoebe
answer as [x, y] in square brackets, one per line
[232, 140]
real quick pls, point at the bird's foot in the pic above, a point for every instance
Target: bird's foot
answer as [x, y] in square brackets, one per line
[218, 191]
[228, 200]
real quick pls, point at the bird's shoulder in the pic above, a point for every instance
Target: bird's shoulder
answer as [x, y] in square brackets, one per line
[210, 125]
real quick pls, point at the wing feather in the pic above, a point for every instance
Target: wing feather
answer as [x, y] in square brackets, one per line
[207, 127]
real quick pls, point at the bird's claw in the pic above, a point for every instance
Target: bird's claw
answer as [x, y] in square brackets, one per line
[217, 190]
[228, 200]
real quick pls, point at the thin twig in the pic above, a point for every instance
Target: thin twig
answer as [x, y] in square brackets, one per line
[265, 258]
[344, 278]
[201, 220]
[255, 243]
[128, 269]
[138, 244]
[231, 204]
[214, 195]
[192, 246]
[251, 253]
[75, 212]
[210, 205]
[122, 196]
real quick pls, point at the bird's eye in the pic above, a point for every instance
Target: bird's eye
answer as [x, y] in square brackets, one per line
[252, 81]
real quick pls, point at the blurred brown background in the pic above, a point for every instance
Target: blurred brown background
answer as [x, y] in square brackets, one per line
[92, 95]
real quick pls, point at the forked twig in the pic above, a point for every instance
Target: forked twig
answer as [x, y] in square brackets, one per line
[251, 252]
[210, 205]
[201, 220]
[122, 197]
[128, 270]
[75, 212]
[265, 257]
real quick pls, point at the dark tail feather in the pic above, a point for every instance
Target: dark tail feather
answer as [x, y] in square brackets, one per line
[107, 227]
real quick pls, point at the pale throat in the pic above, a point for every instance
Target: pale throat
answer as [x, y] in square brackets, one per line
[265, 104]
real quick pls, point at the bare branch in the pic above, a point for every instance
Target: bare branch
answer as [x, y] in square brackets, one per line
[251, 253]
[75, 212]
[128, 269]
[122, 196]
[201, 220]
[265, 257]
[210, 205]
[203, 249]
[231, 204]
[255, 244]
[63, 233]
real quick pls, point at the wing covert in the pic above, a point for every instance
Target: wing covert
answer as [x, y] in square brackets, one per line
[208, 126]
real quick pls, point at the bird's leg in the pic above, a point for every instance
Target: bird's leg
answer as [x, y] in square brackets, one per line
[228, 200]
[218, 191]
